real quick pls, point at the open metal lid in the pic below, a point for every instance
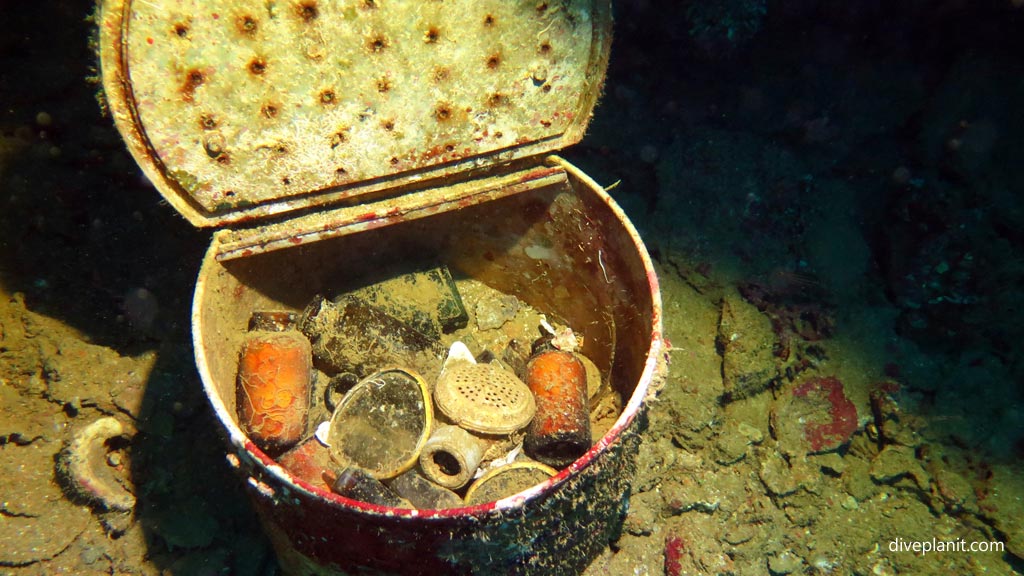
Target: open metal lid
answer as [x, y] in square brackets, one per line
[244, 109]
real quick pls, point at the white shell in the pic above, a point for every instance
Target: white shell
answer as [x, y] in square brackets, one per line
[458, 352]
[321, 433]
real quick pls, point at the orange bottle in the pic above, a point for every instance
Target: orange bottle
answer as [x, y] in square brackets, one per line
[560, 431]
[273, 387]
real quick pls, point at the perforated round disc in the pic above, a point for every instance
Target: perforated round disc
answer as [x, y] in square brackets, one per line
[484, 398]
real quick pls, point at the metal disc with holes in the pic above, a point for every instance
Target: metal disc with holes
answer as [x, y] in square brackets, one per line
[484, 398]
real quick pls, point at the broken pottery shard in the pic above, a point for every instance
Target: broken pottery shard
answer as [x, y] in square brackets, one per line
[746, 342]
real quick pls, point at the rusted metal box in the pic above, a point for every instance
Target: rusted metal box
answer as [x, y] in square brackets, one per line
[325, 138]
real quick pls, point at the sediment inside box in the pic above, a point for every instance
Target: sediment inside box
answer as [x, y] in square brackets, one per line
[555, 249]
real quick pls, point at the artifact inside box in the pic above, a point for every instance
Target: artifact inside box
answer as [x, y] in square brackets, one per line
[420, 391]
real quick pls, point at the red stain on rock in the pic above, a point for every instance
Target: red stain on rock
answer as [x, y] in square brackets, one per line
[833, 434]
[674, 550]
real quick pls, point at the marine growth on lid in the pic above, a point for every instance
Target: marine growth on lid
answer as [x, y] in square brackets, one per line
[249, 108]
